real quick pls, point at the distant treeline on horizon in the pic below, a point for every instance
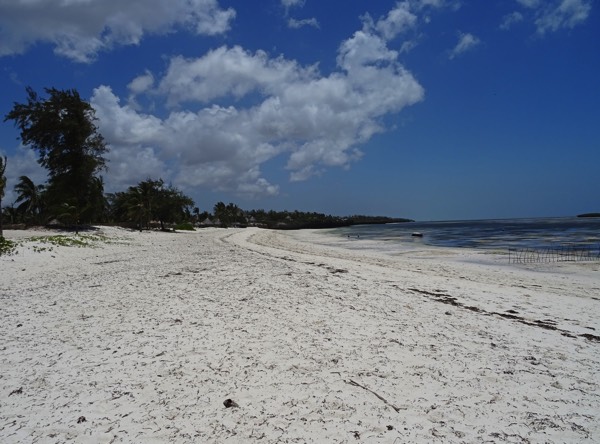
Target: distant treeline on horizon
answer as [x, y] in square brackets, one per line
[589, 215]
[231, 215]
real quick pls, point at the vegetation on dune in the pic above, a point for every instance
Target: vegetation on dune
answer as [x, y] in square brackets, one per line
[7, 247]
[49, 242]
[61, 130]
[80, 240]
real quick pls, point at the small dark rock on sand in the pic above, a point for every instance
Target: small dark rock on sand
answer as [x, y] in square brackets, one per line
[230, 403]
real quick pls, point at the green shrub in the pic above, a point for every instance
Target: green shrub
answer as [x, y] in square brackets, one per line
[185, 226]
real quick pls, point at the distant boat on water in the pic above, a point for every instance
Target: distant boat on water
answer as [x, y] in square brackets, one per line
[417, 234]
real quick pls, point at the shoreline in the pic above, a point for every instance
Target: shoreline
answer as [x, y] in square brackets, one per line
[146, 337]
[505, 234]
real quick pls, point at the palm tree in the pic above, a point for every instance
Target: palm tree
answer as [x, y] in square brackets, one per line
[220, 212]
[136, 208]
[142, 200]
[69, 215]
[30, 197]
[2, 187]
[96, 208]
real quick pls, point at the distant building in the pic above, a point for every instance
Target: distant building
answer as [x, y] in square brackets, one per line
[208, 223]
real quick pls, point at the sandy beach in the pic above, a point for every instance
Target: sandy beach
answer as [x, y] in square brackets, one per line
[143, 337]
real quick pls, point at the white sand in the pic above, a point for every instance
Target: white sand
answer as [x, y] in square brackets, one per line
[145, 339]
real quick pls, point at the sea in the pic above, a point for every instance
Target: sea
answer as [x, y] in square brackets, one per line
[499, 234]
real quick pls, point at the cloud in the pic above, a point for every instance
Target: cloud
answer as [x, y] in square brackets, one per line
[529, 3]
[231, 111]
[466, 42]
[408, 46]
[561, 15]
[79, 30]
[420, 4]
[402, 19]
[287, 4]
[397, 21]
[297, 24]
[552, 15]
[511, 19]
[227, 72]
[141, 83]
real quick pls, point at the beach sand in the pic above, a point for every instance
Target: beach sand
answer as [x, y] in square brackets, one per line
[144, 338]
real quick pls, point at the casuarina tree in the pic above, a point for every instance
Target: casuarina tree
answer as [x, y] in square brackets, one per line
[61, 129]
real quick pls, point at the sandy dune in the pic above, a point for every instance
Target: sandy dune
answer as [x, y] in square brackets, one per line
[143, 339]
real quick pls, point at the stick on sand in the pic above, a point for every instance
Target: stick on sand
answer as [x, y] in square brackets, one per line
[351, 382]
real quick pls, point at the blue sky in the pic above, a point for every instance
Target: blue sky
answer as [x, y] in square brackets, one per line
[427, 109]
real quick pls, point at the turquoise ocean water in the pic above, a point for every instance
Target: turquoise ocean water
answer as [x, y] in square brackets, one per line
[490, 234]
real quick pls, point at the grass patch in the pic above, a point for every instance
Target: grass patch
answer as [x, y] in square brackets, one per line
[48, 243]
[79, 240]
[7, 247]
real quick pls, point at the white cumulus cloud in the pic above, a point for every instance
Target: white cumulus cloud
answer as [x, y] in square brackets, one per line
[232, 110]
[511, 19]
[552, 15]
[402, 19]
[297, 24]
[80, 29]
[227, 72]
[563, 14]
[466, 42]
[397, 21]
